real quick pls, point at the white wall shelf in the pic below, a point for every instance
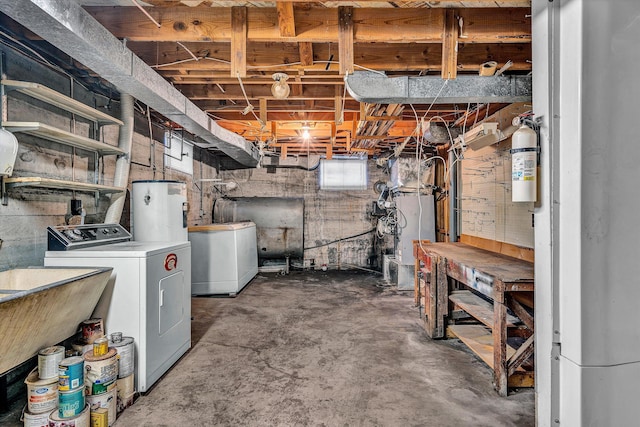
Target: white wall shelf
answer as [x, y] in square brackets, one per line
[50, 96]
[44, 131]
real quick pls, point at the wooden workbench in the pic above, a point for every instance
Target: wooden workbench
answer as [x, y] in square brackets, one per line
[503, 280]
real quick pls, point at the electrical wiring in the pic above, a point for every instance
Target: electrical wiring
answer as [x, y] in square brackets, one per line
[249, 105]
[342, 239]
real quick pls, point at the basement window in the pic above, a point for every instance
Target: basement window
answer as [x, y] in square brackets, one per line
[178, 152]
[343, 174]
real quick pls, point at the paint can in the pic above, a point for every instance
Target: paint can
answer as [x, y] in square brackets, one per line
[92, 329]
[100, 417]
[100, 347]
[80, 420]
[71, 403]
[125, 348]
[126, 392]
[35, 420]
[42, 395]
[81, 348]
[48, 360]
[107, 401]
[71, 373]
[100, 372]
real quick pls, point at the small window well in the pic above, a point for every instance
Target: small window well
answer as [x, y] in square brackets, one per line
[343, 174]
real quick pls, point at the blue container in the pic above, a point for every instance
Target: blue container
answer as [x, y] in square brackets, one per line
[71, 373]
[71, 403]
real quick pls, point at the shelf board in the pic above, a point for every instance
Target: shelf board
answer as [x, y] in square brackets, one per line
[59, 184]
[50, 96]
[479, 340]
[51, 133]
[478, 308]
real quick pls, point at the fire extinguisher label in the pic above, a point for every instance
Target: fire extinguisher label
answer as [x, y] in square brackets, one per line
[523, 166]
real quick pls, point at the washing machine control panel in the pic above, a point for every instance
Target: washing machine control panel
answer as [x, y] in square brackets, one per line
[69, 237]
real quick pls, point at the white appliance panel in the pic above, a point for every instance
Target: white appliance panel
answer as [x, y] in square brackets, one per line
[598, 396]
[416, 221]
[227, 258]
[159, 211]
[131, 301]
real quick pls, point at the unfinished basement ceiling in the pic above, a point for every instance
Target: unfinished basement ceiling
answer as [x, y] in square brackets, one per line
[222, 55]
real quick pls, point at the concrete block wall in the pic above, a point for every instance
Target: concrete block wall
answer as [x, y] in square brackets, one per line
[328, 215]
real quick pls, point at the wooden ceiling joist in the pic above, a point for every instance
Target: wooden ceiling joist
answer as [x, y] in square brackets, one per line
[318, 25]
[239, 41]
[286, 20]
[450, 45]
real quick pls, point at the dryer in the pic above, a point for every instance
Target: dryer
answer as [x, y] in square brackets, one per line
[148, 296]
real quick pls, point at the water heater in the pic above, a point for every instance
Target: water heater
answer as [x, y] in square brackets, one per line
[159, 211]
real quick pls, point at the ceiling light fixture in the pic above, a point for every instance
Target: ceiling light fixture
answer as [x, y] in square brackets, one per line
[306, 135]
[280, 89]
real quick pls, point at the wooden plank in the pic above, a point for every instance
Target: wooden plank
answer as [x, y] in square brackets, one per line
[263, 110]
[479, 340]
[442, 295]
[495, 266]
[525, 254]
[450, 45]
[345, 39]
[521, 379]
[520, 311]
[238, 41]
[524, 352]
[478, 308]
[500, 355]
[317, 25]
[431, 300]
[286, 21]
[306, 53]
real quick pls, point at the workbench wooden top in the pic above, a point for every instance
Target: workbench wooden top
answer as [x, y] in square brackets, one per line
[504, 268]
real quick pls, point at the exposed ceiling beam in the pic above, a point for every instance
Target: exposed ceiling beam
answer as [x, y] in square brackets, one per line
[379, 89]
[238, 41]
[64, 24]
[286, 20]
[345, 39]
[450, 45]
[318, 25]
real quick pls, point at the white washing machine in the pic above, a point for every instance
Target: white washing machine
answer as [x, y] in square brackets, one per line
[148, 296]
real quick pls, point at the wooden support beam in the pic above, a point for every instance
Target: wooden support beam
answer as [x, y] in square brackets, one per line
[239, 41]
[317, 25]
[306, 53]
[283, 152]
[520, 356]
[345, 39]
[263, 110]
[286, 21]
[329, 152]
[450, 45]
[338, 107]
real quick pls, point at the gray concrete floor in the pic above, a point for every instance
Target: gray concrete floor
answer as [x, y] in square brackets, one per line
[323, 349]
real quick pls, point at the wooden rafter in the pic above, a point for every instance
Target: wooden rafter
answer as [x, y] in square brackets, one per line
[239, 41]
[318, 25]
[286, 21]
[450, 45]
[345, 39]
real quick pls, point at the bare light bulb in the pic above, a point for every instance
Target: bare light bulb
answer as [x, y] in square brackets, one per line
[305, 135]
[280, 88]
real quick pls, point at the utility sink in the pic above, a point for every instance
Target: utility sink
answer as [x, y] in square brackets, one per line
[42, 306]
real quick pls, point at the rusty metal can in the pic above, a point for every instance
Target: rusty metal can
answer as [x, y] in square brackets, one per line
[100, 347]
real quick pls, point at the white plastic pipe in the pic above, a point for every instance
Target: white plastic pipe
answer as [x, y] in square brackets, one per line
[121, 178]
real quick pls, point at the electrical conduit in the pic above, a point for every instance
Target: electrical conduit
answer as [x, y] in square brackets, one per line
[121, 178]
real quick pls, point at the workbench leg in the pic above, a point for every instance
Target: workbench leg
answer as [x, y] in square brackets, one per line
[416, 281]
[442, 293]
[499, 332]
